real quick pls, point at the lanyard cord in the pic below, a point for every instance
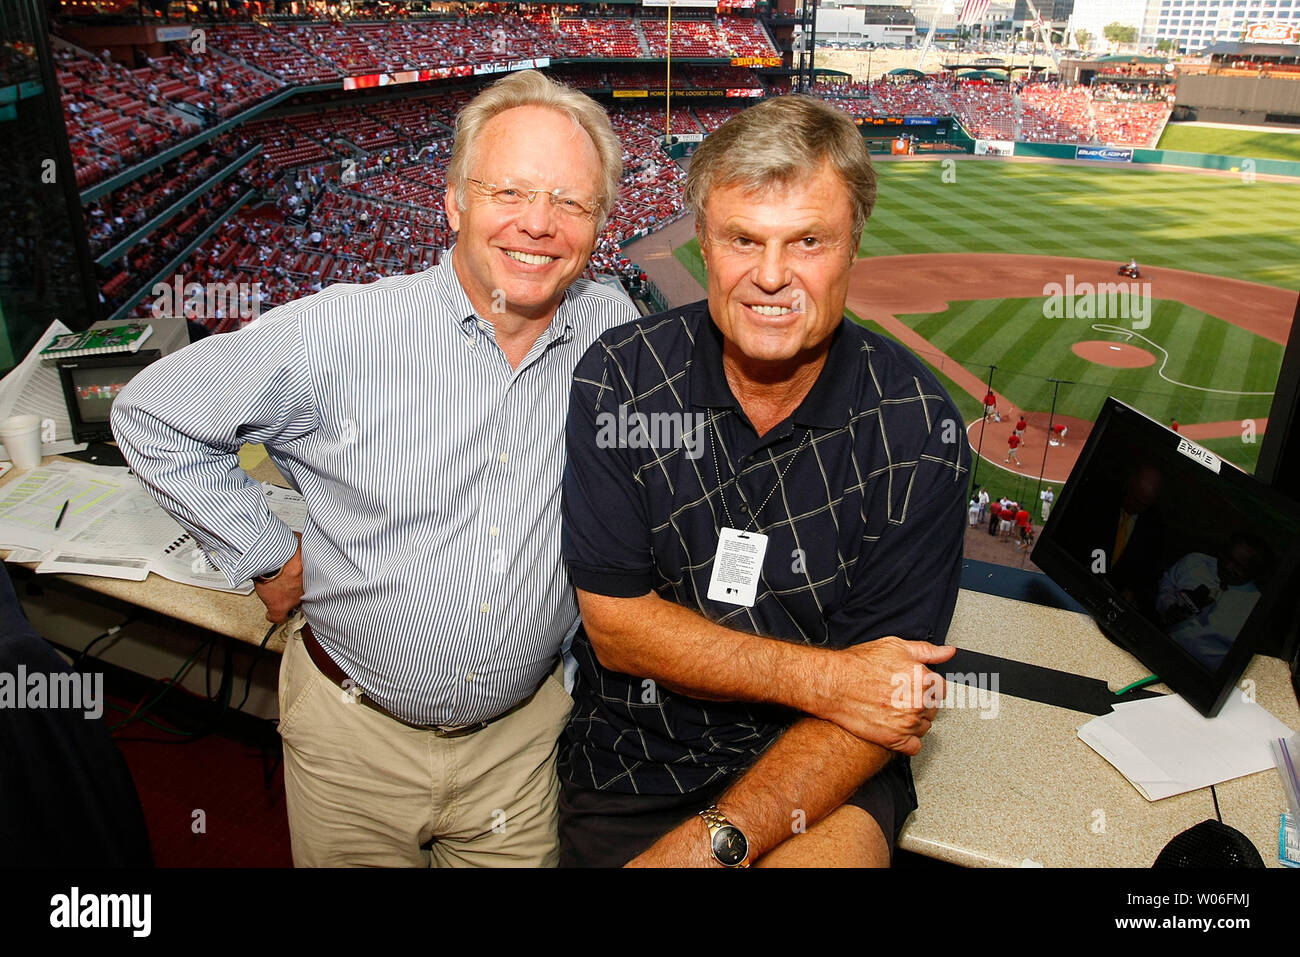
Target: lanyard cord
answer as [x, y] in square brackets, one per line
[753, 517]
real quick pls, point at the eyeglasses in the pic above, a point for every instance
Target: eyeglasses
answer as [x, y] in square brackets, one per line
[516, 197]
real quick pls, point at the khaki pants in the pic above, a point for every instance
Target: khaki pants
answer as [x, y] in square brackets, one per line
[365, 790]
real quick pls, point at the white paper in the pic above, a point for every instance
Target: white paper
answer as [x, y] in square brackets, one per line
[113, 528]
[33, 388]
[1163, 746]
[30, 504]
[287, 505]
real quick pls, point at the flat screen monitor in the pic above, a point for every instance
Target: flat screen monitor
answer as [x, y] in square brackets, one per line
[1180, 556]
[91, 383]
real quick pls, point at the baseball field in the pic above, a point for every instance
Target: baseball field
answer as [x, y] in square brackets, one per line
[1250, 141]
[986, 263]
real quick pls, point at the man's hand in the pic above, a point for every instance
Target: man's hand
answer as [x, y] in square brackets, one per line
[881, 691]
[282, 595]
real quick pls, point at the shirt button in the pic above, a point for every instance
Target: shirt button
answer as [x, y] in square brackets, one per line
[485, 608]
[502, 458]
[494, 531]
[470, 676]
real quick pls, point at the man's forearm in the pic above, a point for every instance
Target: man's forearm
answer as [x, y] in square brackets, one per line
[685, 652]
[810, 771]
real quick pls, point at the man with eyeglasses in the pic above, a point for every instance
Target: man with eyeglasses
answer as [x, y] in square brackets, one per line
[422, 417]
[757, 623]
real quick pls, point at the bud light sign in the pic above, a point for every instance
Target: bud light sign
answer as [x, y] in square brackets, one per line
[1108, 154]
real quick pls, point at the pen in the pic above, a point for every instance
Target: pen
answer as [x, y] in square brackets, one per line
[63, 511]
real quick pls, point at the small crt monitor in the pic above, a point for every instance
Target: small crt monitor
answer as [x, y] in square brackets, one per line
[1181, 557]
[91, 383]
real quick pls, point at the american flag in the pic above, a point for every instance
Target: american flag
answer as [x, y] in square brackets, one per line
[973, 11]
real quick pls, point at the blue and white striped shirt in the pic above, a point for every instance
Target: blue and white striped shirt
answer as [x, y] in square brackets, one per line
[430, 468]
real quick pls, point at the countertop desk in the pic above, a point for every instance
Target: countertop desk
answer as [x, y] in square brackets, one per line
[1001, 791]
[1022, 786]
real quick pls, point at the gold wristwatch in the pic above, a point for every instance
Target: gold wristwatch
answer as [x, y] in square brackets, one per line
[729, 844]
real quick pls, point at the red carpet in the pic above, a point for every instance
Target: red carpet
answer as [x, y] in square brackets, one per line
[242, 822]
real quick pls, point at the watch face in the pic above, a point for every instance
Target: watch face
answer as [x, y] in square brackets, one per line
[729, 845]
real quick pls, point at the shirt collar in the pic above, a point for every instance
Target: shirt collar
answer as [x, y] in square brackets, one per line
[827, 404]
[452, 302]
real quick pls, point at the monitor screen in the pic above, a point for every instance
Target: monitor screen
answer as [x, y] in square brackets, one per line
[91, 383]
[1179, 555]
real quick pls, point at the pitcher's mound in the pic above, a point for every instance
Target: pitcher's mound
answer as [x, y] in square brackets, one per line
[1118, 354]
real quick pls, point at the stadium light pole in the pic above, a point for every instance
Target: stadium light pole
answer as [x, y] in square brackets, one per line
[668, 85]
[975, 467]
[1051, 417]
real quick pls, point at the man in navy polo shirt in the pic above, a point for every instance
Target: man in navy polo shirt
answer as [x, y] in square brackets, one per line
[763, 518]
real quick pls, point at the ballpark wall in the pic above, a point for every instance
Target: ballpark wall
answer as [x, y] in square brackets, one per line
[1267, 167]
[1242, 93]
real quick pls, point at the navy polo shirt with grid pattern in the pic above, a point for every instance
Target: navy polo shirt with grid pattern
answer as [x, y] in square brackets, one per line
[865, 526]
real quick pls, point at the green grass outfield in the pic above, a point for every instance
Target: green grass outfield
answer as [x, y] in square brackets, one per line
[1211, 139]
[1187, 221]
[1210, 224]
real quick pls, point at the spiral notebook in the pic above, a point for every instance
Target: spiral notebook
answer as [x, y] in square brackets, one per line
[100, 339]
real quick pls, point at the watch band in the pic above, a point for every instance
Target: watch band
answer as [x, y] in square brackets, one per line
[270, 578]
[715, 820]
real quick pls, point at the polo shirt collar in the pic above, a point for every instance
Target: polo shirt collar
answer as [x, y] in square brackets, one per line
[827, 404]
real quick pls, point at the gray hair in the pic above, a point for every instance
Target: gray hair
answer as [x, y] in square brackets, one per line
[780, 141]
[531, 88]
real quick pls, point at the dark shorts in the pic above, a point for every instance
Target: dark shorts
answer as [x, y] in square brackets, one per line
[609, 828]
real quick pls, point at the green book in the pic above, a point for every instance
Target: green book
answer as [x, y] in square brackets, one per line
[97, 340]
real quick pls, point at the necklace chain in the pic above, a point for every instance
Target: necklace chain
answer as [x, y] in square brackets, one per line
[753, 516]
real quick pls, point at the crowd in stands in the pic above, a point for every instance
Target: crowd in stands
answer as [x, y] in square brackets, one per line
[385, 215]
[985, 109]
[598, 36]
[1077, 114]
[655, 78]
[111, 122]
[110, 220]
[119, 114]
[146, 258]
[1055, 114]
[352, 193]
[892, 98]
[711, 117]
[725, 37]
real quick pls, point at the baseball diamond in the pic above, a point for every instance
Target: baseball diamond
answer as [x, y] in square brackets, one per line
[959, 262]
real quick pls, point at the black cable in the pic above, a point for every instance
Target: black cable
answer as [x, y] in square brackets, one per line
[143, 709]
[1214, 794]
[116, 629]
[207, 672]
[257, 656]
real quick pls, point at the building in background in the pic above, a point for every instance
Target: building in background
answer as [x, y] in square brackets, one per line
[878, 23]
[1095, 15]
